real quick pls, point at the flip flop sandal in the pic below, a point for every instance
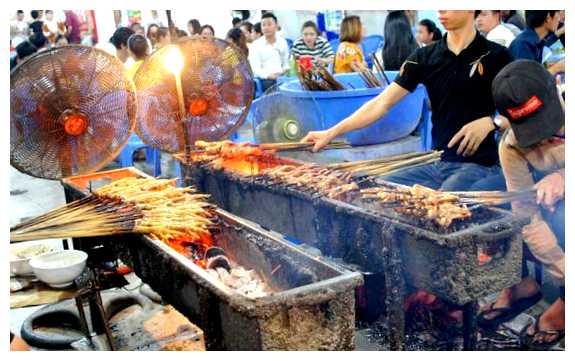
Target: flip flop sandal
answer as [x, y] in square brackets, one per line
[506, 313]
[529, 340]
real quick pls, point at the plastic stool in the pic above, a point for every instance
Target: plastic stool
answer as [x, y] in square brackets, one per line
[126, 157]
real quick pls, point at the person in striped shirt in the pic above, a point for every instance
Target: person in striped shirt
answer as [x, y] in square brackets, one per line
[311, 44]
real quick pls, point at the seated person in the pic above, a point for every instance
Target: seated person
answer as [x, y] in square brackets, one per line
[23, 51]
[311, 44]
[349, 50]
[527, 95]
[269, 55]
[489, 24]
[427, 32]
[542, 28]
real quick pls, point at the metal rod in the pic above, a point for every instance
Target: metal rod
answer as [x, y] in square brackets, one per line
[470, 326]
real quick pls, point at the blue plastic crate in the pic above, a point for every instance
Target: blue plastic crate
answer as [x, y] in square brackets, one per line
[335, 106]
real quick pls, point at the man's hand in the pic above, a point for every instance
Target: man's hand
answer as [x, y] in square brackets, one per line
[549, 190]
[558, 67]
[320, 138]
[471, 136]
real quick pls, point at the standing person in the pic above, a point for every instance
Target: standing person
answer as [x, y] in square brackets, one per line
[163, 37]
[73, 24]
[152, 35]
[138, 49]
[349, 50]
[311, 44]
[530, 43]
[36, 26]
[207, 31]
[236, 22]
[460, 96]
[269, 55]
[194, 27]
[246, 27]
[514, 18]
[238, 37]
[257, 31]
[50, 29]
[532, 154]
[489, 24]
[427, 32]
[399, 40]
[120, 41]
[19, 29]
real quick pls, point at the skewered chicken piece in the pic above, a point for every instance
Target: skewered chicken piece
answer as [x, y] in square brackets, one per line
[443, 208]
[328, 182]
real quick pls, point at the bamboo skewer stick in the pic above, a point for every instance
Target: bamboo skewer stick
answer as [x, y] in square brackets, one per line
[384, 168]
[380, 69]
[382, 173]
[345, 165]
[371, 164]
[301, 146]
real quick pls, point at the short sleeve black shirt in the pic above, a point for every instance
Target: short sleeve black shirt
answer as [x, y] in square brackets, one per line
[459, 89]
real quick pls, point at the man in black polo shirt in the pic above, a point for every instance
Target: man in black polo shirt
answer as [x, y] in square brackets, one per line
[457, 72]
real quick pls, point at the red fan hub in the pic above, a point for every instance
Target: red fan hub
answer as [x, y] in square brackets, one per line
[75, 123]
[198, 106]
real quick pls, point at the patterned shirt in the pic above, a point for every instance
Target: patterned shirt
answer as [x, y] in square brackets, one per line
[322, 49]
[347, 53]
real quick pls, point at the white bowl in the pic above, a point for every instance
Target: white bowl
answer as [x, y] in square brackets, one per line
[20, 267]
[59, 269]
[19, 257]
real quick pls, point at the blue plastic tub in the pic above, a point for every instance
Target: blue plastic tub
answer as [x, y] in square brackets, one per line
[335, 106]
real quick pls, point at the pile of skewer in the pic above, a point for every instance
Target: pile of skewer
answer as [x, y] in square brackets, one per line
[495, 198]
[282, 147]
[441, 207]
[366, 75]
[326, 182]
[149, 206]
[317, 78]
[388, 165]
[380, 69]
[229, 149]
[419, 201]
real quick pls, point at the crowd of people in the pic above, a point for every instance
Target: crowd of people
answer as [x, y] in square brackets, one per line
[496, 113]
[28, 37]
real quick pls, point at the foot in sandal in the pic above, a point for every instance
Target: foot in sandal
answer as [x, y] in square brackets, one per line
[510, 303]
[548, 329]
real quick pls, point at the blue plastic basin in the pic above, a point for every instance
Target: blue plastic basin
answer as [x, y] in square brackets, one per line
[335, 106]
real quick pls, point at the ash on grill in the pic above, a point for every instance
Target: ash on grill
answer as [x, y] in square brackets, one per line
[221, 268]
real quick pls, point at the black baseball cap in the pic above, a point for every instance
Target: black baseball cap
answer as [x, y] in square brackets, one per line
[525, 93]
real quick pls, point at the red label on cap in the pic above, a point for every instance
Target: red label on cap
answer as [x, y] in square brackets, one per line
[526, 108]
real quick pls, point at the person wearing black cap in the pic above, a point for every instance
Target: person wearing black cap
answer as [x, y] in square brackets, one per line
[533, 148]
